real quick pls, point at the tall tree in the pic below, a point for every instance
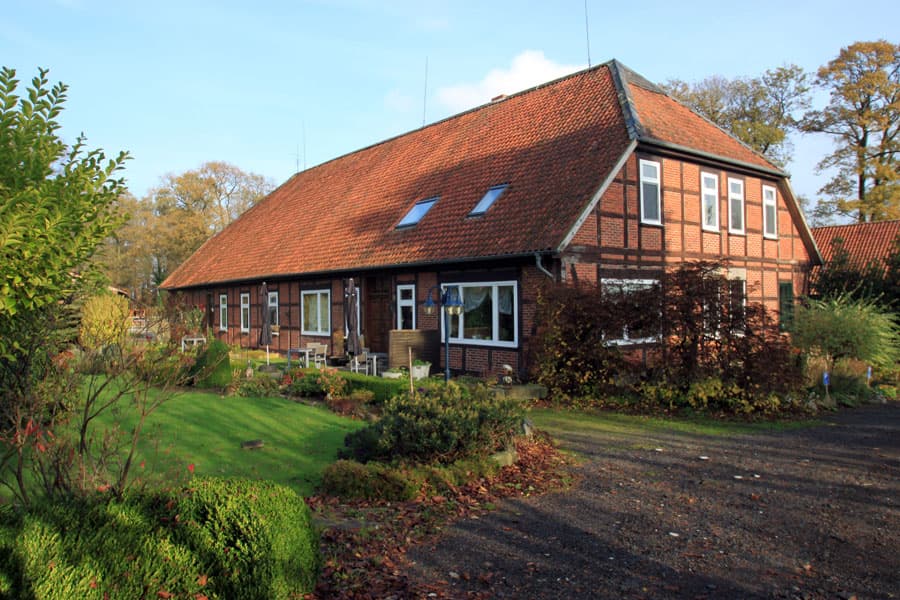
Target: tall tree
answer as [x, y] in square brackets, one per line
[759, 111]
[56, 206]
[166, 227]
[863, 118]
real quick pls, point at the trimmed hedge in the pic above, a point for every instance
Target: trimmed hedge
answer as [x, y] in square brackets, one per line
[439, 422]
[216, 538]
[213, 366]
[383, 388]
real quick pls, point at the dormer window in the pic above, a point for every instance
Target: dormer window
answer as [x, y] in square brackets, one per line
[488, 199]
[415, 214]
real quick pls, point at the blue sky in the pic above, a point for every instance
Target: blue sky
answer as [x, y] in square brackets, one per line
[265, 84]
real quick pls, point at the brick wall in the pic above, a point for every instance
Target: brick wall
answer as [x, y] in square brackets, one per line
[624, 246]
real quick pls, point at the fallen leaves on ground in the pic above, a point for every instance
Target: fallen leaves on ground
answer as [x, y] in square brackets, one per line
[364, 551]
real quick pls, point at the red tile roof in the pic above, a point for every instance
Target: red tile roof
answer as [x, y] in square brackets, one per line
[864, 241]
[554, 145]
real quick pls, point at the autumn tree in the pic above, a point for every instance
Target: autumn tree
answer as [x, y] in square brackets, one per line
[174, 219]
[759, 111]
[863, 119]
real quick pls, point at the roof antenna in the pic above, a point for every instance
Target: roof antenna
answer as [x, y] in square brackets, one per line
[303, 135]
[425, 93]
[587, 35]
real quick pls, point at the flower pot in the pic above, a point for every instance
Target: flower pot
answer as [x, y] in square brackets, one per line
[420, 371]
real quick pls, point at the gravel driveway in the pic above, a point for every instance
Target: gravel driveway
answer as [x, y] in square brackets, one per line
[809, 513]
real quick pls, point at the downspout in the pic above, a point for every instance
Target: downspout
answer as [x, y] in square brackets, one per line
[541, 268]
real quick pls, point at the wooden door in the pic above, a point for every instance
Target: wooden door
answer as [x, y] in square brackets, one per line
[377, 313]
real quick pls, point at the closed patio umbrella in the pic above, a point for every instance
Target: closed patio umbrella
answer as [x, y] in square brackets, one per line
[350, 317]
[265, 332]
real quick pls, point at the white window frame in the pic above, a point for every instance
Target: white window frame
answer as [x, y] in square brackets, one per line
[272, 302]
[770, 198]
[402, 303]
[495, 317]
[630, 284]
[654, 180]
[732, 198]
[245, 312]
[223, 312]
[709, 196]
[316, 294]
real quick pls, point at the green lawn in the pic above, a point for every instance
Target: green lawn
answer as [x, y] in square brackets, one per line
[553, 421]
[206, 430]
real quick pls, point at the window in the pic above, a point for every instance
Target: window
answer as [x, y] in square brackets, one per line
[644, 330]
[737, 303]
[770, 212]
[223, 312]
[416, 213]
[735, 206]
[273, 309]
[785, 305]
[488, 199]
[650, 206]
[490, 314]
[245, 313]
[709, 199]
[406, 307]
[316, 312]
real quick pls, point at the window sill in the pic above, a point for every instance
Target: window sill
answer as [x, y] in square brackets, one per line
[652, 223]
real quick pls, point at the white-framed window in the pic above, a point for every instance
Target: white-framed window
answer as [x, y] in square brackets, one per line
[273, 309]
[636, 333]
[709, 200]
[316, 309]
[735, 205]
[737, 303]
[490, 315]
[651, 210]
[245, 313]
[770, 212]
[223, 312]
[406, 306]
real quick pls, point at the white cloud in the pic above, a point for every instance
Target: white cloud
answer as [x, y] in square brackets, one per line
[528, 69]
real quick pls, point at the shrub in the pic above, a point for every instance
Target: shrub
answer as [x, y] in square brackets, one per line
[383, 389]
[353, 405]
[258, 386]
[437, 423]
[104, 321]
[217, 538]
[302, 382]
[213, 366]
[255, 537]
[840, 327]
[372, 481]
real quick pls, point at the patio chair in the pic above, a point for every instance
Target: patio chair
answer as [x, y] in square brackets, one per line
[360, 361]
[319, 353]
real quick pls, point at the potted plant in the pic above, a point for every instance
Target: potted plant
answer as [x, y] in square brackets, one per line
[420, 369]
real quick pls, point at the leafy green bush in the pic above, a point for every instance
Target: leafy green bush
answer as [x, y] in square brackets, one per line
[372, 481]
[384, 389]
[301, 382]
[255, 537]
[437, 423]
[217, 538]
[213, 366]
[258, 386]
[843, 328]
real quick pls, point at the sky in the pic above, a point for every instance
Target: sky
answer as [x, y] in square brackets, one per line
[270, 86]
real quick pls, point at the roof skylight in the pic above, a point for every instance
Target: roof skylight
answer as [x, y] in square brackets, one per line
[488, 199]
[416, 213]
